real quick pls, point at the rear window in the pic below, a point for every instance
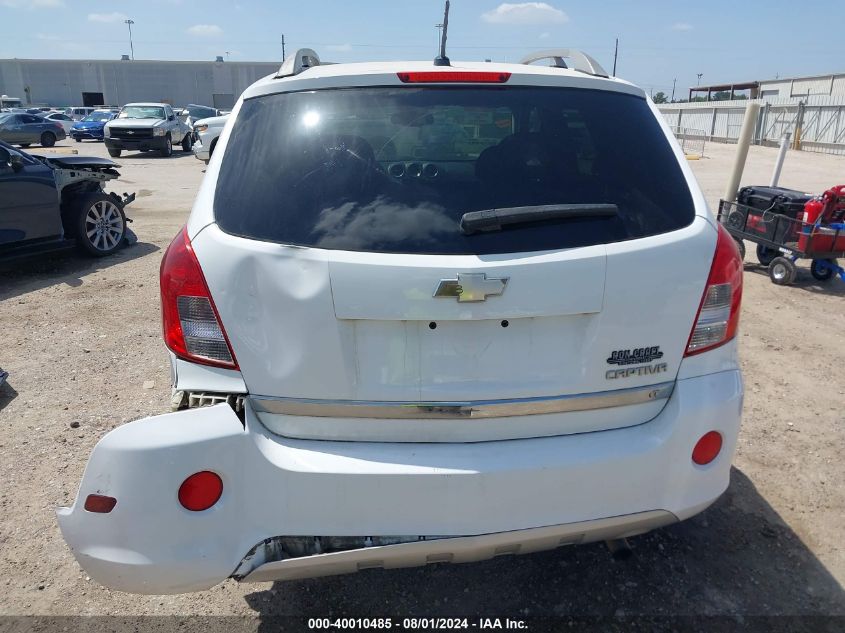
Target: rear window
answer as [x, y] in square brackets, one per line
[395, 169]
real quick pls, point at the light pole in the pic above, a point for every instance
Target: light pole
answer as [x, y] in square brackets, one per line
[129, 23]
[699, 79]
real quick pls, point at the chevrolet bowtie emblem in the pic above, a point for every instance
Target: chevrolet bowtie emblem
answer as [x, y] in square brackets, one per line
[471, 287]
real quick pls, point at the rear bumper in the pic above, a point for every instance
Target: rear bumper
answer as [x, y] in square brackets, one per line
[152, 143]
[495, 497]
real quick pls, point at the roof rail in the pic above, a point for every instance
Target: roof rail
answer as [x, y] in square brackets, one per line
[303, 59]
[580, 60]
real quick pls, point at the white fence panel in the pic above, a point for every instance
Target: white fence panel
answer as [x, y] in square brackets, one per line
[821, 120]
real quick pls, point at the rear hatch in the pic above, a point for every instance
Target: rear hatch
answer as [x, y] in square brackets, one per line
[358, 308]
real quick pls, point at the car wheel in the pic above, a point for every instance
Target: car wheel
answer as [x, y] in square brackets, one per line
[782, 271]
[24, 144]
[114, 153]
[820, 271]
[101, 225]
[168, 147]
[741, 246]
[187, 143]
[765, 255]
[78, 140]
[48, 139]
[211, 149]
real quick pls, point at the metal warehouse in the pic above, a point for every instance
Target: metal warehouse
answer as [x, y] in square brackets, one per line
[797, 88]
[115, 82]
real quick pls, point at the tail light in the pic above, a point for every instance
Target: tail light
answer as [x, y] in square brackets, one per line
[192, 328]
[453, 76]
[718, 315]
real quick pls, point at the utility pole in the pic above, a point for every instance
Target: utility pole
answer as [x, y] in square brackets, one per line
[283, 47]
[674, 81]
[129, 23]
[615, 55]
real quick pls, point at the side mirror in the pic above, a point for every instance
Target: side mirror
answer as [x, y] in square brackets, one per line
[16, 162]
[171, 118]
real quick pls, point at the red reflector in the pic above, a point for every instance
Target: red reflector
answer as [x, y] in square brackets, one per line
[200, 491]
[707, 448]
[453, 76]
[100, 503]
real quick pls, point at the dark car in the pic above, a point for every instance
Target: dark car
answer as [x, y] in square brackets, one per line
[92, 125]
[56, 202]
[25, 129]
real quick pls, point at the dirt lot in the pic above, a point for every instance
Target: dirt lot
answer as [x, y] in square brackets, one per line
[81, 340]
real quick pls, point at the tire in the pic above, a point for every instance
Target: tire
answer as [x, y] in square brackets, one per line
[78, 140]
[168, 147]
[782, 271]
[48, 139]
[741, 246]
[211, 149]
[822, 273]
[24, 144]
[187, 143]
[765, 255]
[114, 153]
[100, 225]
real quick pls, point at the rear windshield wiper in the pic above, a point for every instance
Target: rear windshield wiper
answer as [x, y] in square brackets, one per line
[495, 219]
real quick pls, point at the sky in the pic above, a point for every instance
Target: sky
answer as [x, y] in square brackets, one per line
[659, 41]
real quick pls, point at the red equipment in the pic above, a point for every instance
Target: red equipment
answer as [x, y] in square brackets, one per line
[828, 208]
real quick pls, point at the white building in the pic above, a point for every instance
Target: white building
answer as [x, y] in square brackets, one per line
[812, 89]
[802, 87]
[115, 82]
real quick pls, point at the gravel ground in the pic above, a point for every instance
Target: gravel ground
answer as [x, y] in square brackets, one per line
[83, 347]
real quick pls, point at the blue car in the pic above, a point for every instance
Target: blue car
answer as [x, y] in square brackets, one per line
[92, 125]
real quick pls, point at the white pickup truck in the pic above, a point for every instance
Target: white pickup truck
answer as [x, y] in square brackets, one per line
[145, 127]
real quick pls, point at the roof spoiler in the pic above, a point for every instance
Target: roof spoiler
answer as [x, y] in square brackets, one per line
[579, 59]
[302, 59]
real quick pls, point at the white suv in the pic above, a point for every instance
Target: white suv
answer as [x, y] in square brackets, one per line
[439, 313]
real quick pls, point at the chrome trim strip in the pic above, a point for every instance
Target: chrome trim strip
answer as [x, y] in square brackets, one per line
[458, 410]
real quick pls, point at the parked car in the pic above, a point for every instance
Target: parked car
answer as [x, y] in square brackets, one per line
[53, 203]
[77, 113]
[26, 129]
[206, 132]
[92, 126]
[62, 119]
[147, 126]
[439, 314]
[194, 113]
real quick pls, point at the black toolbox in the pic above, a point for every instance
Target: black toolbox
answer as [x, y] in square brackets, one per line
[775, 199]
[772, 202]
